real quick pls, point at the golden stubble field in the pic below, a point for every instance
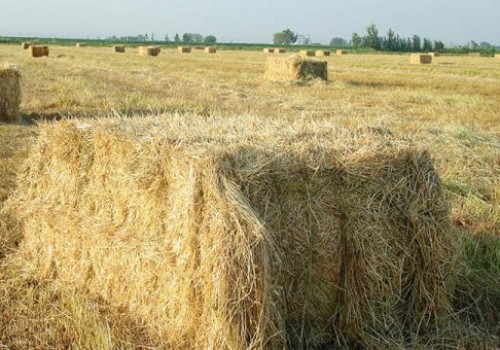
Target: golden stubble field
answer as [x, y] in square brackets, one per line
[450, 108]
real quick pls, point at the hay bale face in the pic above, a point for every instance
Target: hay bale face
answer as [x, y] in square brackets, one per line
[418, 58]
[119, 48]
[280, 51]
[184, 49]
[322, 53]
[152, 51]
[241, 233]
[295, 68]
[39, 51]
[307, 53]
[10, 94]
[268, 50]
[210, 50]
[26, 45]
[81, 45]
[341, 52]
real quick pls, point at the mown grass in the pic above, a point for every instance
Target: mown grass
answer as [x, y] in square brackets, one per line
[449, 108]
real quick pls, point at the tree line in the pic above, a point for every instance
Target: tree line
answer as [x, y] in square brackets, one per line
[186, 38]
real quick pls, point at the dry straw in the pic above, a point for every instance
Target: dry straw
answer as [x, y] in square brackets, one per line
[295, 68]
[241, 233]
[81, 45]
[149, 50]
[322, 53]
[210, 50]
[268, 50]
[419, 58]
[10, 94]
[497, 55]
[306, 53]
[474, 54]
[26, 45]
[119, 48]
[184, 49]
[341, 52]
[39, 51]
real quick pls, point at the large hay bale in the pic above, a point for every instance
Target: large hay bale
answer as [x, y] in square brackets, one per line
[307, 53]
[322, 53]
[10, 94]
[119, 48]
[39, 51]
[419, 58]
[241, 233]
[210, 50]
[295, 68]
[341, 52]
[26, 45]
[184, 49]
[149, 50]
[268, 50]
[80, 45]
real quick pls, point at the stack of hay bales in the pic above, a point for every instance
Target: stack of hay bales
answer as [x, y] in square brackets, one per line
[210, 50]
[26, 45]
[119, 48]
[307, 53]
[268, 50]
[322, 53]
[420, 58]
[184, 49]
[10, 94]
[241, 233]
[39, 51]
[341, 52]
[149, 50]
[295, 68]
[81, 45]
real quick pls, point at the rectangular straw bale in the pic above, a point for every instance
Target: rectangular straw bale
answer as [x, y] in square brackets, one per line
[268, 50]
[26, 45]
[210, 50]
[81, 45]
[119, 48]
[184, 49]
[241, 232]
[474, 54]
[295, 68]
[10, 94]
[419, 58]
[434, 54]
[306, 53]
[341, 52]
[322, 53]
[39, 51]
[280, 51]
[149, 50]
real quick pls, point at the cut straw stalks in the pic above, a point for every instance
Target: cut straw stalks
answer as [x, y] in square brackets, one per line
[295, 68]
[241, 233]
[10, 94]
[149, 51]
[39, 51]
[419, 58]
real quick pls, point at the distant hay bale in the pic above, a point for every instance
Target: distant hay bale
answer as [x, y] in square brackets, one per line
[268, 50]
[81, 45]
[199, 48]
[26, 45]
[119, 48]
[322, 53]
[230, 233]
[149, 50]
[184, 49]
[280, 51]
[419, 58]
[295, 68]
[210, 50]
[39, 50]
[434, 54]
[474, 54]
[341, 52]
[307, 53]
[10, 94]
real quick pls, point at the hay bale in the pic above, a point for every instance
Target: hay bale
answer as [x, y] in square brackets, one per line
[322, 53]
[26, 45]
[80, 45]
[10, 94]
[39, 51]
[474, 54]
[184, 49]
[119, 48]
[307, 53]
[241, 233]
[268, 50]
[280, 51]
[210, 50]
[341, 52]
[295, 68]
[419, 58]
[199, 48]
[434, 54]
[149, 50]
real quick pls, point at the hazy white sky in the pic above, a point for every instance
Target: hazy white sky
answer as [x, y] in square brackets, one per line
[453, 21]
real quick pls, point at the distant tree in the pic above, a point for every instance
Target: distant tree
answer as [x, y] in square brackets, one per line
[427, 46]
[152, 36]
[338, 42]
[438, 45]
[177, 38]
[390, 41]
[356, 40]
[285, 37]
[167, 39]
[472, 45]
[484, 45]
[210, 39]
[145, 37]
[415, 43]
[372, 39]
[186, 38]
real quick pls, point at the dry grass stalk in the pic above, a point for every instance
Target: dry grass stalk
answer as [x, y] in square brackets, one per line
[474, 54]
[341, 52]
[184, 49]
[249, 233]
[210, 50]
[306, 53]
[419, 58]
[322, 53]
[119, 48]
[81, 45]
[26, 45]
[39, 51]
[149, 50]
[268, 50]
[10, 94]
[295, 68]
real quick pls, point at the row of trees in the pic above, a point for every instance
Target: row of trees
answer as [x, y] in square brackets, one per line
[187, 38]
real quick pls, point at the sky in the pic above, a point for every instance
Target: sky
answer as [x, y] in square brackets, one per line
[455, 22]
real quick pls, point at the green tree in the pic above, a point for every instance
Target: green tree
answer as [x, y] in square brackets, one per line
[210, 39]
[338, 42]
[285, 37]
[177, 38]
[372, 39]
[356, 40]
[390, 41]
[438, 45]
[427, 46]
[167, 39]
[186, 38]
[415, 43]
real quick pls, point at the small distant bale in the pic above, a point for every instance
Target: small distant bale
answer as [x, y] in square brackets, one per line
[119, 48]
[322, 53]
[149, 51]
[279, 51]
[434, 54]
[210, 50]
[268, 50]
[474, 54]
[10, 94]
[81, 45]
[341, 52]
[26, 45]
[419, 58]
[184, 49]
[199, 48]
[295, 68]
[39, 51]
[307, 53]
